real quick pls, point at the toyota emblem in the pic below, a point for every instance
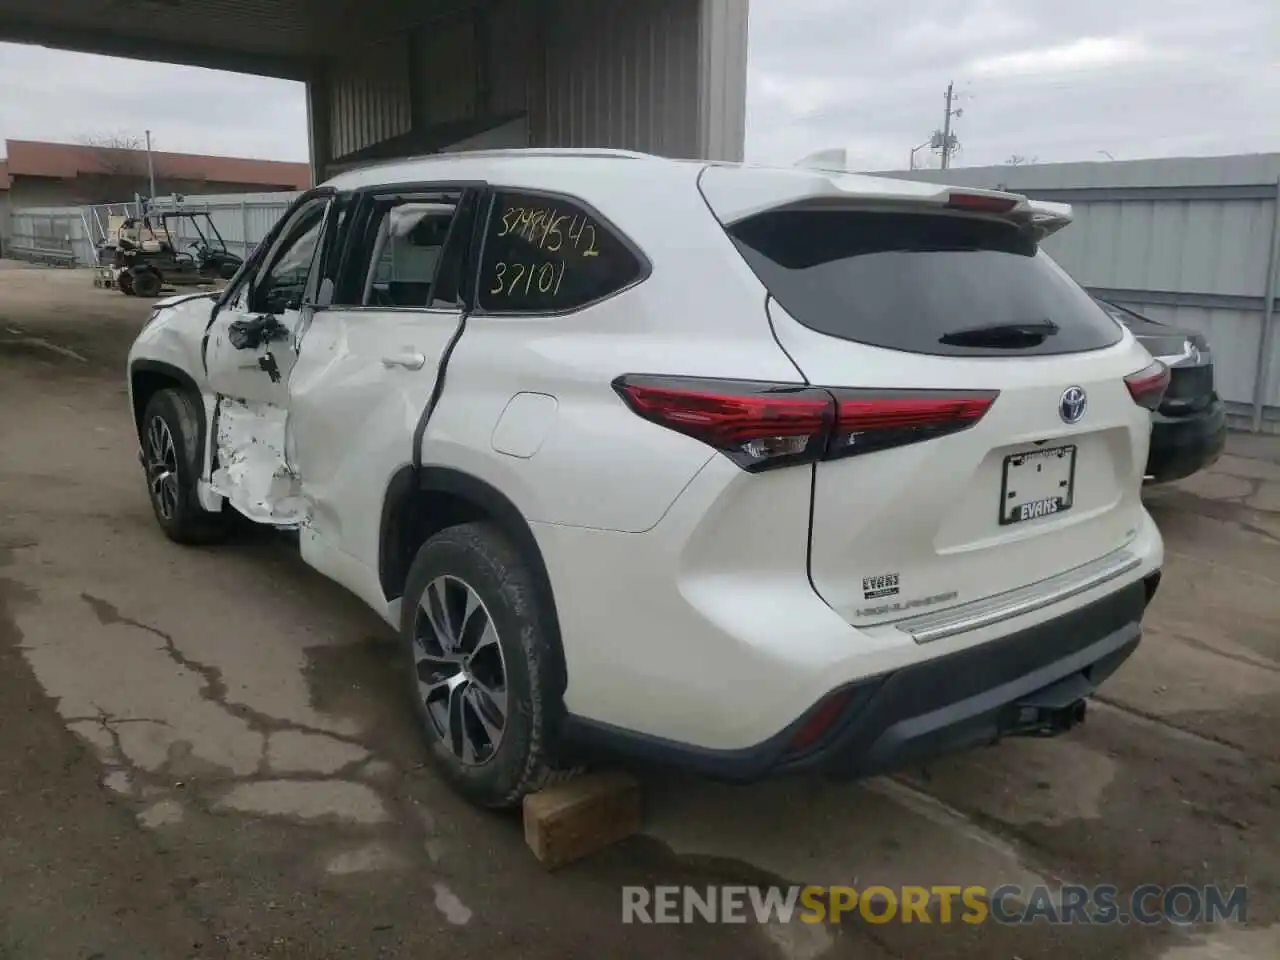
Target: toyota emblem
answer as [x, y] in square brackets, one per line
[1073, 404]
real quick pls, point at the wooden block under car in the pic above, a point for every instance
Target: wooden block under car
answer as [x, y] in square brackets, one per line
[569, 820]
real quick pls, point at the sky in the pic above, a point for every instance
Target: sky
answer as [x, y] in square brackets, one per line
[1042, 80]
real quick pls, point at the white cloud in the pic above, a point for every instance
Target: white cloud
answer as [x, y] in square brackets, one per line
[187, 109]
[798, 95]
[1087, 53]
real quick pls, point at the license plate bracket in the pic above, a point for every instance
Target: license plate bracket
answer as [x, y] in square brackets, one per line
[1037, 483]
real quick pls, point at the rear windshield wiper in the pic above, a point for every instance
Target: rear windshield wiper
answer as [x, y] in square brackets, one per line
[1007, 335]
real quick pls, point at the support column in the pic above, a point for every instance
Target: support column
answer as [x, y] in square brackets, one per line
[319, 124]
[722, 79]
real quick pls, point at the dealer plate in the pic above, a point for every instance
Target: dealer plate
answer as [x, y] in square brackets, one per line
[1037, 483]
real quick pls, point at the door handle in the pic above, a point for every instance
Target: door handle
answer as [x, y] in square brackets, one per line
[410, 361]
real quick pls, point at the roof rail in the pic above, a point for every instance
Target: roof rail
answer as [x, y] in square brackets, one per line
[498, 154]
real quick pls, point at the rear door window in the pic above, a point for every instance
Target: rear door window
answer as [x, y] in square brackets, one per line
[921, 283]
[548, 254]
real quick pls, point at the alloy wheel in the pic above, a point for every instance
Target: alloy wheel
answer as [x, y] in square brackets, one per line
[162, 467]
[461, 672]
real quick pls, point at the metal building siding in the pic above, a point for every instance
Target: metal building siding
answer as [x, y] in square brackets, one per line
[1161, 172]
[623, 76]
[723, 64]
[446, 68]
[510, 57]
[1185, 240]
[1181, 246]
[369, 96]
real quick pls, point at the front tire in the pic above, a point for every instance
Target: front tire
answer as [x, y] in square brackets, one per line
[171, 457]
[125, 283]
[480, 665]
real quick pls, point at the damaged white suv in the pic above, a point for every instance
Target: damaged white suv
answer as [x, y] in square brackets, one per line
[742, 469]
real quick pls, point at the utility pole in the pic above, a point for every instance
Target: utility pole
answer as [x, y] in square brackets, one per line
[151, 170]
[947, 145]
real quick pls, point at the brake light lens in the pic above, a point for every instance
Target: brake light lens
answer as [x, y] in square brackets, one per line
[760, 426]
[981, 202]
[1148, 385]
[870, 420]
[756, 425]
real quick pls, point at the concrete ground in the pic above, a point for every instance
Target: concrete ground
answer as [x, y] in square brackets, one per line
[208, 753]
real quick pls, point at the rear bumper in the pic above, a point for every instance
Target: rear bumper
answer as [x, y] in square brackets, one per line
[1031, 682]
[1181, 446]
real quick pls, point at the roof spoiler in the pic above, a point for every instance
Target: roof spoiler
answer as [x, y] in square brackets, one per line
[1048, 218]
[1043, 218]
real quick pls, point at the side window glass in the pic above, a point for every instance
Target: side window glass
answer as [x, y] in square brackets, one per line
[283, 283]
[547, 255]
[404, 244]
[331, 249]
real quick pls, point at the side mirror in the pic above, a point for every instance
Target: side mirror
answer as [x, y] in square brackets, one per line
[275, 302]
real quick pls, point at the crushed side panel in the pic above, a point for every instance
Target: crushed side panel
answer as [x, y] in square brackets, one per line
[252, 471]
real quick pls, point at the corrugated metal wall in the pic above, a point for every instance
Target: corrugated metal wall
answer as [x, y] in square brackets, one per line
[1191, 241]
[369, 96]
[622, 75]
[664, 76]
[446, 71]
[722, 103]
[513, 36]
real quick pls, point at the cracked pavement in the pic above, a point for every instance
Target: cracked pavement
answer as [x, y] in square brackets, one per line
[210, 753]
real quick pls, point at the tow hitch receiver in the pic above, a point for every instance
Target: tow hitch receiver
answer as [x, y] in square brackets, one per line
[1046, 721]
[1051, 711]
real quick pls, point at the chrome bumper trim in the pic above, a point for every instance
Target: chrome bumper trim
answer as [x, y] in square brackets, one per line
[1014, 603]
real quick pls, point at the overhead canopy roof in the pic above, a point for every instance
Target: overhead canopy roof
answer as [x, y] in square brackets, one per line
[268, 37]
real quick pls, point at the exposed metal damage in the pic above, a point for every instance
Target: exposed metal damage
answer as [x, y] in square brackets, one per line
[252, 471]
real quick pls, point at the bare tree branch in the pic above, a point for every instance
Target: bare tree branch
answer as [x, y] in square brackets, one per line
[120, 166]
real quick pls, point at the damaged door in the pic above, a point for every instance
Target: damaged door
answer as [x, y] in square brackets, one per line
[362, 388]
[251, 347]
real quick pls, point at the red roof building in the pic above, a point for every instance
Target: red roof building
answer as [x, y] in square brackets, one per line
[37, 174]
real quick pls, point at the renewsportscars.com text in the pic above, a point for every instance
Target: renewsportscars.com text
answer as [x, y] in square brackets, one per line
[1006, 904]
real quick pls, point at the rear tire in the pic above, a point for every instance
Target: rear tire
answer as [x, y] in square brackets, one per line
[125, 283]
[146, 283]
[171, 461]
[479, 665]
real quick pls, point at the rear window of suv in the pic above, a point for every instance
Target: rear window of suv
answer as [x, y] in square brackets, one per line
[922, 283]
[550, 254]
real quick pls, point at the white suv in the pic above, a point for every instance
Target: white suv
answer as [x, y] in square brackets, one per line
[750, 470]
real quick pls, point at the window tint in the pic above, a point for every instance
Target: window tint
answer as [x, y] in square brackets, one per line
[545, 254]
[284, 282]
[951, 285]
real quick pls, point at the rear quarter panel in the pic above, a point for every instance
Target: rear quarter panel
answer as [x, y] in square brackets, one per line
[699, 313]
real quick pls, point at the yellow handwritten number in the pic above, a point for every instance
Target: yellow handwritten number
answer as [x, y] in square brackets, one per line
[519, 276]
[500, 269]
[553, 227]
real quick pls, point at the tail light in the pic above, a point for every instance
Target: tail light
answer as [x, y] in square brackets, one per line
[1148, 385]
[870, 420]
[764, 425]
